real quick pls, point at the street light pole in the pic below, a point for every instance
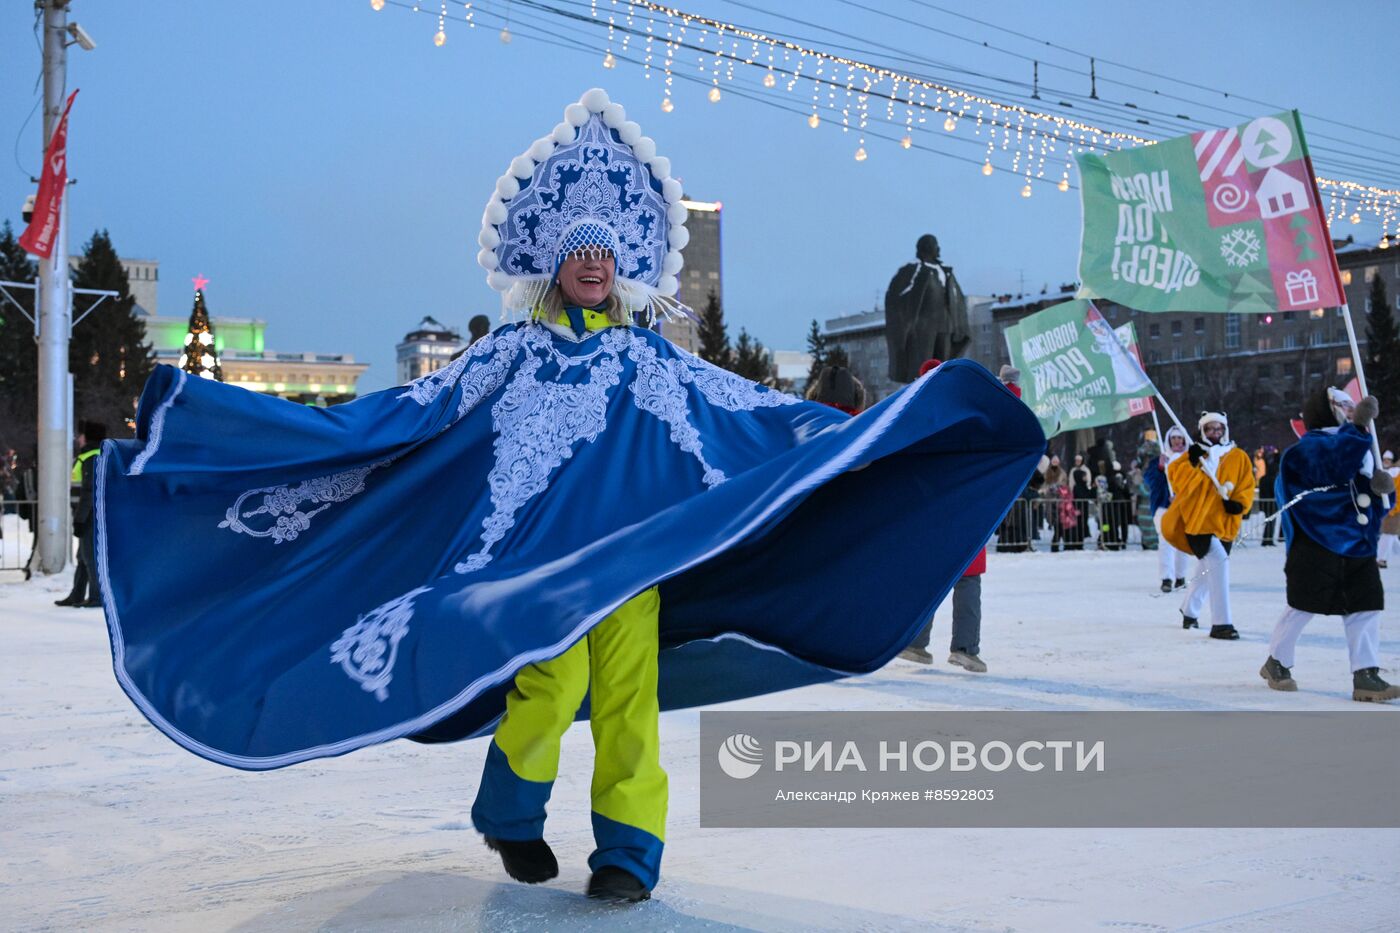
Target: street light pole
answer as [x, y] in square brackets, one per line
[55, 316]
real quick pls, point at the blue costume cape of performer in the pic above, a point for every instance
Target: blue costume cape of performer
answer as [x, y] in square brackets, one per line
[1328, 516]
[284, 582]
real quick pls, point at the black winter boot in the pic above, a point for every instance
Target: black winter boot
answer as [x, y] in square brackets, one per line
[528, 860]
[1181, 583]
[1188, 621]
[1224, 632]
[1367, 686]
[1278, 676]
[611, 883]
[1166, 586]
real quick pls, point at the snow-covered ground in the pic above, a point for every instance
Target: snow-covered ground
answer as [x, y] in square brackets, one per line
[107, 825]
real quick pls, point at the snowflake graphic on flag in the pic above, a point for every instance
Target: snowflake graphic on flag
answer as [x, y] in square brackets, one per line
[1240, 247]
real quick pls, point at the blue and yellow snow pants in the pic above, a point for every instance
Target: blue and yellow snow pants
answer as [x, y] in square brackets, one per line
[616, 666]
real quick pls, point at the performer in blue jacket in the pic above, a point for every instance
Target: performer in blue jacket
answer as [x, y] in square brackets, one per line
[1171, 563]
[1331, 533]
[572, 507]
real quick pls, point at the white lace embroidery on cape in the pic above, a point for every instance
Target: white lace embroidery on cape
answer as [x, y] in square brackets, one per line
[286, 519]
[368, 649]
[727, 390]
[480, 372]
[658, 391]
[538, 425]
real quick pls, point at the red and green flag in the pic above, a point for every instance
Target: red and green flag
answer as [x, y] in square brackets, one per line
[1221, 220]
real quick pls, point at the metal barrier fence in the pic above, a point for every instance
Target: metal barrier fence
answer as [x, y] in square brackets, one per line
[17, 526]
[1095, 525]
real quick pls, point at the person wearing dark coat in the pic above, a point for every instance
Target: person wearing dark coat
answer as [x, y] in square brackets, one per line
[1331, 534]
[1267, 482]
[85, 592]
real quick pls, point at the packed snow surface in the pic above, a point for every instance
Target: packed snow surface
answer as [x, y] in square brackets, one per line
[105, 824]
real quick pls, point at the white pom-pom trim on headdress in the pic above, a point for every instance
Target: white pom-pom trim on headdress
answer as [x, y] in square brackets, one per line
[522, 293]
[594, 99]
[576, 115]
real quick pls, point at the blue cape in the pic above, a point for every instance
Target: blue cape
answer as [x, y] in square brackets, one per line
[1330, 458]
[284, 582]
[1158, 488]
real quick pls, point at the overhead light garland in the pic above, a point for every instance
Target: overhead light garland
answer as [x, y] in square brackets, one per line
[1023, 139]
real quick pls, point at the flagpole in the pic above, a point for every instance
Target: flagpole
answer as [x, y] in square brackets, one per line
[1356, 362]
[55, 439]
[1361, 382]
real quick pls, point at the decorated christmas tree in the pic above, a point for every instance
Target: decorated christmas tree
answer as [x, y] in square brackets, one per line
[200, 357]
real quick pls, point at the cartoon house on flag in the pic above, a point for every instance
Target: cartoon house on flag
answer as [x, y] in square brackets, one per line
[1280, 193]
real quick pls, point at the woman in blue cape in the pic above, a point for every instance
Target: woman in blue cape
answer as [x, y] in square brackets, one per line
[572, 499]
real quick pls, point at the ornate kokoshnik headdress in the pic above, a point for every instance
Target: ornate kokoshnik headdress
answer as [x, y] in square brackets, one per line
[595, 183]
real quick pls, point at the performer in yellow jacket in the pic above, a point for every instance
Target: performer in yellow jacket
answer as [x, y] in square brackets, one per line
[1214, 487]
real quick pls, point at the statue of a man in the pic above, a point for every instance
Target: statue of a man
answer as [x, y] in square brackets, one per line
[925, 313]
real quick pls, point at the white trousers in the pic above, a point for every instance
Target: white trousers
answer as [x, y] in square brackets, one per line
[1211, 581]
[1386, 548]
[1363, 637]
[1171, 563]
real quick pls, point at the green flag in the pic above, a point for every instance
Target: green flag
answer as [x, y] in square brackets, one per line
[1221, 220]
[1076, 370]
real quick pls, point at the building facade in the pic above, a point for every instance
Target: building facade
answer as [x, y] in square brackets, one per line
[701, 273]
[426, 349]
[142, 277]
[312, 378]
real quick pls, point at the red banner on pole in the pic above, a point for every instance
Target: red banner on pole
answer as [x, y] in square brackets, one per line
[38, 238]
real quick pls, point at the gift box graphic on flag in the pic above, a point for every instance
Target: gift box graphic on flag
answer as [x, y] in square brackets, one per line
[1221, 220]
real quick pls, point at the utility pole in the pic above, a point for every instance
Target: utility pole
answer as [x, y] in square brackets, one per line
[55, 324]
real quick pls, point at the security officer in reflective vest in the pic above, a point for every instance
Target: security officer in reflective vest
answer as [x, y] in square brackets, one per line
[85, 587]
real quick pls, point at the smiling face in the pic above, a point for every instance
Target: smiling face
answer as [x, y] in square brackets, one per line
[1176, 442]
[586, 278]
[1214, 432]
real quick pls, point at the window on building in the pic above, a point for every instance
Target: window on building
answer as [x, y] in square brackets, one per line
[1200, 325]
[1176, 328]
[1344, 366]
[1315, 338]
[1198, 378]
[1153, 356]
[1154, 331]
[1176, 353]
[1290, 341]
[1317, 314]
[1371, 273]
[1232, 331]
[1289, 315]
[1346, 276]
[1368, 304]
[1266, 343]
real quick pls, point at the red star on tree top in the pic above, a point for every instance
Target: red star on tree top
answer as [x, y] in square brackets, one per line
[199, 283]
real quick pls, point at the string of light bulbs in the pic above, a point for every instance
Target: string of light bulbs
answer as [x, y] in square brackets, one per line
[1017, 138]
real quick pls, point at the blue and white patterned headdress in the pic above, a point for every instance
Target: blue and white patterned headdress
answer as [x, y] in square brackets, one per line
[594, 183]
